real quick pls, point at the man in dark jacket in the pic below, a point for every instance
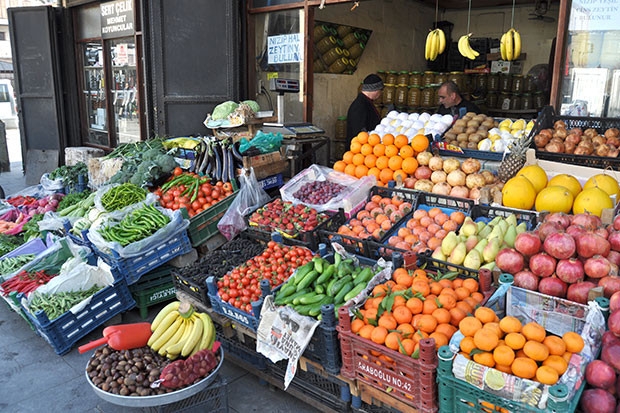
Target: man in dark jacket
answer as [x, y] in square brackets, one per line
[452, 103]
[362, 114]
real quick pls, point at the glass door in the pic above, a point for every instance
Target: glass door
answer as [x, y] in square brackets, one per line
[124, 90]
[94, 94]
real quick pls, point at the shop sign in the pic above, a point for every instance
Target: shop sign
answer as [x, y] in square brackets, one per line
[286, 48]
[594, 15]
[117, 19]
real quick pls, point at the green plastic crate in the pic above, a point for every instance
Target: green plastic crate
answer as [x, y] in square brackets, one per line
[152, 288]
[204, 225]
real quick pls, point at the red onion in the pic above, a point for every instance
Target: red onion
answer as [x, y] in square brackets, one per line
[559, 217]
[509, 260]
[525, 279]
[599, 267]
[591, 244]
[528, 243]
[588, 221]
[579, 291]
[553, 286]
[569, 271]
[610, 284]
[542, 264]
[560, 245]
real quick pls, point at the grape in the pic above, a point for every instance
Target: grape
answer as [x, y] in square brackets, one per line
[318, 192]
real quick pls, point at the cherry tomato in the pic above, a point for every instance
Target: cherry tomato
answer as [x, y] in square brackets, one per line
[177, 171]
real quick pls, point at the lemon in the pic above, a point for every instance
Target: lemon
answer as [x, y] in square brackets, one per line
[519, 193]
[536, 175]
[606, 182]
[592, 200]
[567, 181]
[554, 199]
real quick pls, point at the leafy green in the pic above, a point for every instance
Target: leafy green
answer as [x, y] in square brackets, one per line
[72, 199]
[224, 109]
[30, 230]
[70, 174]
[9, 242]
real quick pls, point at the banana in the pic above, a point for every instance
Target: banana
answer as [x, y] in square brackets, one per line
[517, 43]
[174, 339]
[167, 335]
[163, 313]
[502, 47]
[465, 49]
[163, 326]
[434, 46]
[208, 333]
[427, 48]
[509, 46]
[174, 350]
[193, 338]
[442, 41]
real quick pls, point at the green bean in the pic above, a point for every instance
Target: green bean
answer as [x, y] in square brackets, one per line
[136, 225]
[121, 196]
[56, 304]
[12, 264]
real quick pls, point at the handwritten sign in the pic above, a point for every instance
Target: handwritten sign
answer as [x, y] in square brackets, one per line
[594, 15]
[117, 19]
[286, 48]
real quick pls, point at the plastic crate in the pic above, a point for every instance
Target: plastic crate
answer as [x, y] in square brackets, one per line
[152, 288]
[473, 153]
[204, 225]
[132, 268]
[406, 379]
[244, 352]
[64, 332]
[487, 213]
[548, 117]
[34, 246]
[329, 391]
[555, 314]
[212, 399]
[273, 181]
[198, 291]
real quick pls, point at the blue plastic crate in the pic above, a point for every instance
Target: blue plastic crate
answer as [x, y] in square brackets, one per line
[132, 268]
[238, 316]
[64, 332]
[273, 181]
[34, 246]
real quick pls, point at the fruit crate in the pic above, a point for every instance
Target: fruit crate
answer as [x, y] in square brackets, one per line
[308, 239]
[473, 153]
[409, 380]
[132, 268]
[488, 212]
[273, 181]
[204, 225]
[548, 117]
[212, 399]
[329, 391]
[153, 287]
[65, 331]
[487, 388]
[241, 352]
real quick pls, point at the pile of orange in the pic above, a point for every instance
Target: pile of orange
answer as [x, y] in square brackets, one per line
[377, 217]
[412, 306]
[526, 351]
[387, 158]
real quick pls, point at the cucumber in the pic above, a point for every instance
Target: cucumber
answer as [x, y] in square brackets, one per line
[364, 276]
[302, 272]
[318, 264]
[304, 309]
[337, 259]
[316, 310]
[311, 298]
[319, 289]
[345, 268]
[289, 299]
[307, 280]
[328, 272]
[330, 286]
[343, 291]
[354, 292]
[308, 295]
[286, 290]
[333, 291]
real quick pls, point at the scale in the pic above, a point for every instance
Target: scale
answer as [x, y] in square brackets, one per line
[283, 86]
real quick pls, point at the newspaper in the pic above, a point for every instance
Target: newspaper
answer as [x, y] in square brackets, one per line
[557, 316]
[283, 333]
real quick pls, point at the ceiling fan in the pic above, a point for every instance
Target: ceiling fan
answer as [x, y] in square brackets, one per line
[541, 7]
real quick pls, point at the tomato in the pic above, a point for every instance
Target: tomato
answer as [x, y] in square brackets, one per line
[177, 171]
[225, 297]
[227, 187]
[215, 194]
[219, 183]
[196, 205]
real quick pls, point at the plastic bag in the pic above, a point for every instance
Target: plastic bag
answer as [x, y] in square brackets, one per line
[51, 184]
[264, 142]
[356, 190]
[250, 197]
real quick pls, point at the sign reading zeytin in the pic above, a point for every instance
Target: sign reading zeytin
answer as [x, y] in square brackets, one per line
[117, 19]
[285, 48]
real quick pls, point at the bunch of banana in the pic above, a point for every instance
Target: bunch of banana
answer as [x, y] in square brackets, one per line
[435, 44]
[465, 48]
[179, 330]
[510, 45]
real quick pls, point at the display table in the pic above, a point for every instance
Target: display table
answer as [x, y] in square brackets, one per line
[303, 151]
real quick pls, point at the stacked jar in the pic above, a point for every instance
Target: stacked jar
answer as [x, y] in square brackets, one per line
[415, 79]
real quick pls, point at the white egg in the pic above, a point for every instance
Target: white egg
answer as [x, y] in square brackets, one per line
[418, 124]
[393, 114]
[407, 124]
[436, 117]
[413, 116]
[379, 128]
[385, 121]
[447, 119]
[403, 116]
[424, 117]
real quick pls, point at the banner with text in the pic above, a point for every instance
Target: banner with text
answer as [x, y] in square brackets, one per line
[594, 15]
[286, 48]
[117, 19]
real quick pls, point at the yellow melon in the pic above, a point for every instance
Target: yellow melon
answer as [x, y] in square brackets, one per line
[518, 192]
[567, 181]
[536, 175]
[592, 200]
[607, 183]
[554, 199]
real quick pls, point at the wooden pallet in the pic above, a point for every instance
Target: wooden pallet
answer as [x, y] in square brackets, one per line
[377, 397]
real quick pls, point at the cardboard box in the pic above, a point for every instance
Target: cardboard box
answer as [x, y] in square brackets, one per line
[502, 66]
[262, 159]
[73, 155]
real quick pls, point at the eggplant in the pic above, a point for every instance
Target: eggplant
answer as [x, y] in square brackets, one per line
[231, 163]
[205, 160]
[217, 173]
[224, 175]
[235, 151]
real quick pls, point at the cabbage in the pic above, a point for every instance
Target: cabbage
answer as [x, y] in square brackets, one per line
[222, 110]
[253, 105]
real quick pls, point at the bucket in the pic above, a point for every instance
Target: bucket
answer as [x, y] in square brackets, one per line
[586, 47]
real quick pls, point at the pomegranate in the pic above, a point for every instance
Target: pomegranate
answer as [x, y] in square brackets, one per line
[613, 323]
[614, 240]
[542, 264]
[576, 230]
[423, 172]
[614, 302]
[591, 244]
[578, 292]
[588, 221]
[569, 271]
[410, 182]
[597, 401]
[609, 339]
[616, 223]
[509, 260]
[610, 284]
[599, 267]
[528, 243]
[600, 375]
[525, 279]
[547, 228]
[561, 218]
[602, 231]
[553, 286]
[560, 245]
[614, 257]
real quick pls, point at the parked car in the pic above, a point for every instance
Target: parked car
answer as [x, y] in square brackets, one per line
[8, 107]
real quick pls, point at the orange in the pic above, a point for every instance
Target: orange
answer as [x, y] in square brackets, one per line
[470, 284]
[400, 141]
[388, 139]
[388, 321]
[419, 143]
[457, 314]
[557, 362]
[406, 152]
[391, 150]
[458, 217]
[467, 345]
[374, 171]
[395, 162]
[415, 305]
[441, 315]
[409, 165]
[477, 296]
[535, 350]
[469, 325]
[361, 171]
[515, 341]
[402, 314]
[366, 149]
[366, 331]
[448, 302]
[406, 330]
[462, 293]
[574, 342]
[339, 166]
[495, 328]
[524, 367]
[510, 324]
[403, 275]
[408, 345]
[355, 147]
[484, 314]
[362, 137]
[374, 139]
[358, 159]
[447, 329]
[440, 339]
[382, 162]
[392, 339]
[370, 160]
[430, 304]
[547, 375]
[420, 286]
[534, 331]
[350, 169]
[347, 157]
[427, 323]
[378, 149]
[356, 325]
[386, 175]
[503, 355]
[485, 358]
[503, 369]
[485, 339]
[555, 344]
[379, 334]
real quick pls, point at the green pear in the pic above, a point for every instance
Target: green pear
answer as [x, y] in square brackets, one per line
[496, 232]
[449, 242]
[473, 259]
[481, 244]
[481, 225]
[484, 232]
[503, 225]
[438, 254]
[491, 250]
[457, 256]
[510, 235]
[471, 242]
[489, 266]
[512, 220]
[469, 227]
[495, 221]
[522, 227]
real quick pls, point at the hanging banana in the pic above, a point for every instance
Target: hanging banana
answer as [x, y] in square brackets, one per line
[510, 45]
[435, 44]
[465, 48]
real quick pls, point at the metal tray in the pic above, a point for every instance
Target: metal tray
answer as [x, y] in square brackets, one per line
[160, 399]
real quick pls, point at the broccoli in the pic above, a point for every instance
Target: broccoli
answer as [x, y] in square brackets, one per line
[166, 162]
[151, 154]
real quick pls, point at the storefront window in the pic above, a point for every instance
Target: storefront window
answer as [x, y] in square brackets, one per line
[279, 54]
[94, 94]
[124, 90]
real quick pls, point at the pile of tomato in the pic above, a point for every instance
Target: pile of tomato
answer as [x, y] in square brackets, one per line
[241, 286]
